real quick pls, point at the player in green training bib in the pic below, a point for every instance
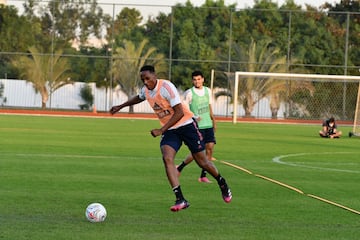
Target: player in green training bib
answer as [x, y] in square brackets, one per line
[199, 100]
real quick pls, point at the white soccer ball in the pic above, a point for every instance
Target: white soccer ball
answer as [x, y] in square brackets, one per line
[95, 212]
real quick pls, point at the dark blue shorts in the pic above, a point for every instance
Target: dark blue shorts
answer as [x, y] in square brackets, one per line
[189, 134]
[208, 135]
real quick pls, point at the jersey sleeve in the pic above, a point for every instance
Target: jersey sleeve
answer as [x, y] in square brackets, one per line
[187, 97]
[142, 94]
[170, 93]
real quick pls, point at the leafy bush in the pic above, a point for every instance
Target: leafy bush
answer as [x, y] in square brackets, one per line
[87, 96]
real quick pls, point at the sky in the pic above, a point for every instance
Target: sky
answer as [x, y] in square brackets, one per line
[146, 10]
[164, 5]
[239, 3]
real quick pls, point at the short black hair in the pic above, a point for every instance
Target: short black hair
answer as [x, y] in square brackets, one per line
[332, 119]
[197, 73]
[147, 68]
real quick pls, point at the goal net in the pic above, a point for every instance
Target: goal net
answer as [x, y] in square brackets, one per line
[288, 96]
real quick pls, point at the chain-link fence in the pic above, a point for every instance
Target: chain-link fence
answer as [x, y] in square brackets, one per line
[188, 39]
[289, 97]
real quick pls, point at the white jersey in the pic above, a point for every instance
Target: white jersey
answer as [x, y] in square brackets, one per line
[167, 91]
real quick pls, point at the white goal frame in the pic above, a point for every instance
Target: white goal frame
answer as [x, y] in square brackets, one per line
[356, 117]
[288, 76]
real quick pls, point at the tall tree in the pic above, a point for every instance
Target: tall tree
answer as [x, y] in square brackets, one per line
[198, 34]
[16, 35]
[90, 64]
[161, 25]
[68, 20]
[125, 26]
[15, 31]
[346, 13]
[46, 72]
[128, 61]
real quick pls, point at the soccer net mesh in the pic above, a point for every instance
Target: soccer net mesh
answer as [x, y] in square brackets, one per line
[286, 96]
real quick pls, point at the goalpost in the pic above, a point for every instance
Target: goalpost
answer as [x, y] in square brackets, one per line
[356, 125]
[262, 81]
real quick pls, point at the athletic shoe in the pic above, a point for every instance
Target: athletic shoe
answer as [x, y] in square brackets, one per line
[226, 193]
[204, 180]
[180, 205]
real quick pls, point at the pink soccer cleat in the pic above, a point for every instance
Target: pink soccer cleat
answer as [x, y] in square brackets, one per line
[226, 193]
[180, 205]
[204, 180]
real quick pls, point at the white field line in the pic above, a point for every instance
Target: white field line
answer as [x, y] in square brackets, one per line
[279, 160]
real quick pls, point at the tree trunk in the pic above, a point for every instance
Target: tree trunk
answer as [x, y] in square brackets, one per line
[274, 113]
[247, 114]
[248, 106]
[131, 109]
[44, 97]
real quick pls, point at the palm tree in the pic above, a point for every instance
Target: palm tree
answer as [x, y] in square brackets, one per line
[47, 72]
[282, 90]
[128, 61]
[252, 89]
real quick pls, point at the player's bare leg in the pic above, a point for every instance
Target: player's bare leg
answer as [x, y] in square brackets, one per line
[336, 134]
[207, 165]
[209, 147]
[172, 175]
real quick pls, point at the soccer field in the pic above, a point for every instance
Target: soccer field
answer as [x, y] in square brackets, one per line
[287, 182]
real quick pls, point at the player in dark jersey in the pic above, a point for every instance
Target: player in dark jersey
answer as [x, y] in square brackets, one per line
[329, 129]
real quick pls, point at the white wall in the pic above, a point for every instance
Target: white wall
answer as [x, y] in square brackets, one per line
[19, 93]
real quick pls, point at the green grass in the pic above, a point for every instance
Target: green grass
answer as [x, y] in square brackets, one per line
[51, 168]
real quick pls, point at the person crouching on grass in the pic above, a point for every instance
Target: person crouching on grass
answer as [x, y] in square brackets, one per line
[329, 129]
[177, 126]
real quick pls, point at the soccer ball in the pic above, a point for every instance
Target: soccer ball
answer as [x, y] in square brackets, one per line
[95, 212]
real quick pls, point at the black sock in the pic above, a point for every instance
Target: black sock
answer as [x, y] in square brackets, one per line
[203, 173]
[181, 166]
[178, 193]
[221, 181]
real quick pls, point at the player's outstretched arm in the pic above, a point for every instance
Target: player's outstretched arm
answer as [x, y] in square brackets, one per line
[132, 101]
